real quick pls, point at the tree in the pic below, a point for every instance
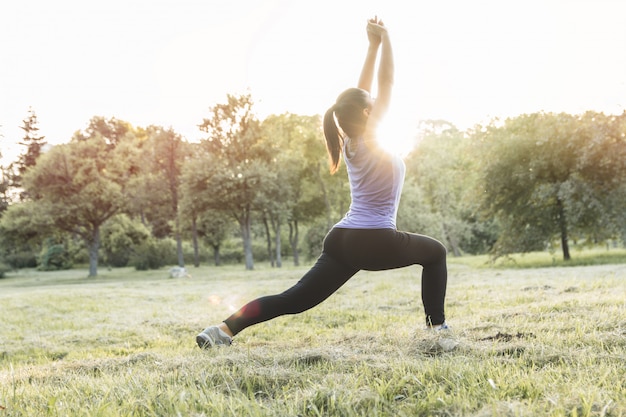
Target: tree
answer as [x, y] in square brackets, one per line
[238, 171]
[112, 131]
[415, 214]
[299, 192]
[551, 176]
[205, 223]
[304, 189]
[23, 228]
[34, 144]
[214, 227]
[597, 191]
[439, 168]
[163, 155]
[190, 205]
[81, 184]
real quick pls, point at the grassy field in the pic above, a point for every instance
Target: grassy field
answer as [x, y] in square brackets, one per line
[526, 342]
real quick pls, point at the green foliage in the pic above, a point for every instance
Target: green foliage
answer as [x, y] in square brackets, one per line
[513, 186]
[23, 224]
[231, 251]
[438, 198]
[239, 176]
[153, 254]
[299, 154]
[18, 259]
[54, 256]
[119, 236]
[314, 239]
[112, 131]
[81, 184]
[482, 236]
[4, 268]
[553, 176]
[157, 188]
[34, 148]
[214, 226]
[416, 215]
[23, 227]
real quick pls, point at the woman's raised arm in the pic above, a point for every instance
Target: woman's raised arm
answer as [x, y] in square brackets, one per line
[385, 79]
[367, 72]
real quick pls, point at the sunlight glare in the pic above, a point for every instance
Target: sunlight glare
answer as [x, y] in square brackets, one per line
[397, 136]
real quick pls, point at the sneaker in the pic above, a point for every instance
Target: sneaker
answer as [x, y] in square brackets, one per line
[445, 339]
[438, 327]
[212, 336]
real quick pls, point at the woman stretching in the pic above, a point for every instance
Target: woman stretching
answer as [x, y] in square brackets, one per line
[366, 238]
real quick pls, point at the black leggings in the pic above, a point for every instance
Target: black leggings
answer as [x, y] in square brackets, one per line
[346, 251]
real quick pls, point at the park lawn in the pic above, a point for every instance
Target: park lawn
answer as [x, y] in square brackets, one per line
[525, 342]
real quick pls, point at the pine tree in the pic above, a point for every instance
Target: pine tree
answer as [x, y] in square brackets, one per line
[34, 147]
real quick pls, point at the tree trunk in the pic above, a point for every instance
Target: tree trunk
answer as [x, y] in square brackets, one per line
[94, 246]
[194, 239]
[268, 239]
[293, 241]
[279, 258]
[179, 245]
[216, 255]
[246, 235]
[563, 226]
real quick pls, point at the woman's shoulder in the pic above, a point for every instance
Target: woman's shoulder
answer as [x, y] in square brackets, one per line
[363, 149]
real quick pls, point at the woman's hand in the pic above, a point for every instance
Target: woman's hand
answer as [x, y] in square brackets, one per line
[375, 30]
[375, 27]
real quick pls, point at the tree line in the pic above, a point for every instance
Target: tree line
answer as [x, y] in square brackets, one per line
[121, 193]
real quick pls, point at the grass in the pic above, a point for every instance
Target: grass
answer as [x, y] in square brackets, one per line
[527, 342]
[582, 256]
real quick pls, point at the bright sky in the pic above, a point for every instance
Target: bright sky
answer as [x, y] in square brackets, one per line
[165, 62]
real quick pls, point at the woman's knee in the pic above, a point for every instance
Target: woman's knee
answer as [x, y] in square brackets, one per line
[442, 250]
[437, 251]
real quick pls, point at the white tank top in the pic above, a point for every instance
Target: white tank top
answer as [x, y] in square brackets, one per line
[376, 180]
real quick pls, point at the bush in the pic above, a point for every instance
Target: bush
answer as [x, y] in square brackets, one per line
[4, 268]
[231, 252]
[54, 257]
[154, 254]
[21, 259]
[80, 255]
[482, 237]
[314, 239]
[205, 255]
[119, 235]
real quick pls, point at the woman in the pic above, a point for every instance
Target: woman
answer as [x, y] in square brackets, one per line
[366, 238]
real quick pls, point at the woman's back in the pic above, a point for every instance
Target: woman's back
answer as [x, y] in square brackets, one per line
[376, 179]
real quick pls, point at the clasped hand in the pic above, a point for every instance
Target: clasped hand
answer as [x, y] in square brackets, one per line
[375, 30]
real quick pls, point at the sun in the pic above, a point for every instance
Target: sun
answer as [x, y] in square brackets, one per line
[396, 135]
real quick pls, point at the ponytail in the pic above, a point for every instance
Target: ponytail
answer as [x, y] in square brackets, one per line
[333, 139]
[348, 109]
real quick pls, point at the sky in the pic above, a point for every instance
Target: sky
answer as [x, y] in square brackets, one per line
[166, 62]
